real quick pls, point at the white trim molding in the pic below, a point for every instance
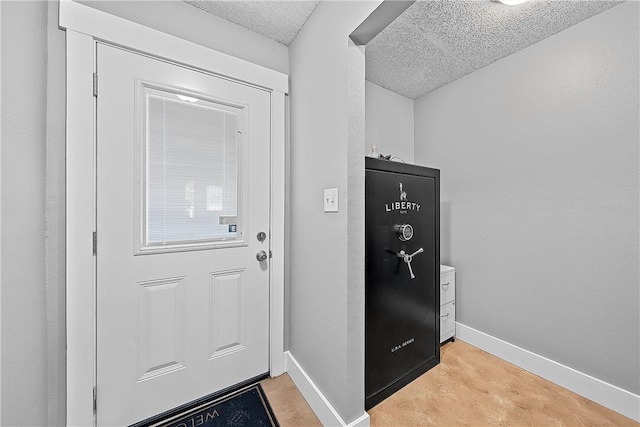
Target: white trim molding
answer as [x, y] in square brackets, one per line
[80, 216]
[85, 27]
[323, 409]
[605, 394]
[120, 32]
[277, 237]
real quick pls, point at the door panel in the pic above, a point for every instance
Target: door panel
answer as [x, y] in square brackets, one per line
[182, 191]
[227, 308]
[161, 326]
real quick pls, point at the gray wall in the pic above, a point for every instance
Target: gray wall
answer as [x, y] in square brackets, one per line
[540, 181]
[389, 123]
[32, 186]
[55, 218]
[0, 216]
[24, 309]
[326, 288]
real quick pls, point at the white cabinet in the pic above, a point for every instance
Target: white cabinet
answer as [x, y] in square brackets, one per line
[447, 303]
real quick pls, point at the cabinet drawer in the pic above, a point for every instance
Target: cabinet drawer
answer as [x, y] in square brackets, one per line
[447, 321]
[447, 287]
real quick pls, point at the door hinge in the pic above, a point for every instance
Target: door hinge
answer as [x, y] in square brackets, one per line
[95, 84]
[95, 243]
[95, 400]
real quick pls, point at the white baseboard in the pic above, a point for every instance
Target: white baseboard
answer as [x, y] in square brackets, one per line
[608, 395]
[325, 412]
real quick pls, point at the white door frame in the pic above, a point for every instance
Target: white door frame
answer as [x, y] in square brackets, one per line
[86, 26]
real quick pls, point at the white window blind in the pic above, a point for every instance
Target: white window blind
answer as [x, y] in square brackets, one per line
[191, 161]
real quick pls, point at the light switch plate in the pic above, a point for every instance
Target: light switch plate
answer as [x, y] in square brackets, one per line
[331, 200]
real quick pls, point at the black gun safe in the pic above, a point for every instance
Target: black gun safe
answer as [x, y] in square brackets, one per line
[402, 297]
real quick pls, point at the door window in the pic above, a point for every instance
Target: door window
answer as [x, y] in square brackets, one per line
[192, 174]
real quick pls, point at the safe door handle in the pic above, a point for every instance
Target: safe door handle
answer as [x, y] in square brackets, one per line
[408, 258]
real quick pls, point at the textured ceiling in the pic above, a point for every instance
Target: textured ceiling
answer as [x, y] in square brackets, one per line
[435, 42]
[278, 20]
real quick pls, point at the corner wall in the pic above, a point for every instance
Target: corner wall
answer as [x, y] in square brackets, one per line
[24, 310]
[389, 123]
[540, 207]
[55, 218]
[326, 289]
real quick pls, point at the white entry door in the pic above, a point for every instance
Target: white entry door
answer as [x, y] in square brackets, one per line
[182, 195]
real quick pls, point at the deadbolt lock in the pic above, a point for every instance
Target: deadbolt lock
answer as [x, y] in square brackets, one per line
[262, 236]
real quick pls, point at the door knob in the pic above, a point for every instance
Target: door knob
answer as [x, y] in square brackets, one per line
[261, 256]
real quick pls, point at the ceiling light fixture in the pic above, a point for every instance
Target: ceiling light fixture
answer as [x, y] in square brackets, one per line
[510, 2]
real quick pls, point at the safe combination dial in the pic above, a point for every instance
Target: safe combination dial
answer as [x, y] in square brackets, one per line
[405, 232]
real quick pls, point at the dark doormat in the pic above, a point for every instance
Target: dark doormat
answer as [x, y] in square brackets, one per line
[246, 407]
